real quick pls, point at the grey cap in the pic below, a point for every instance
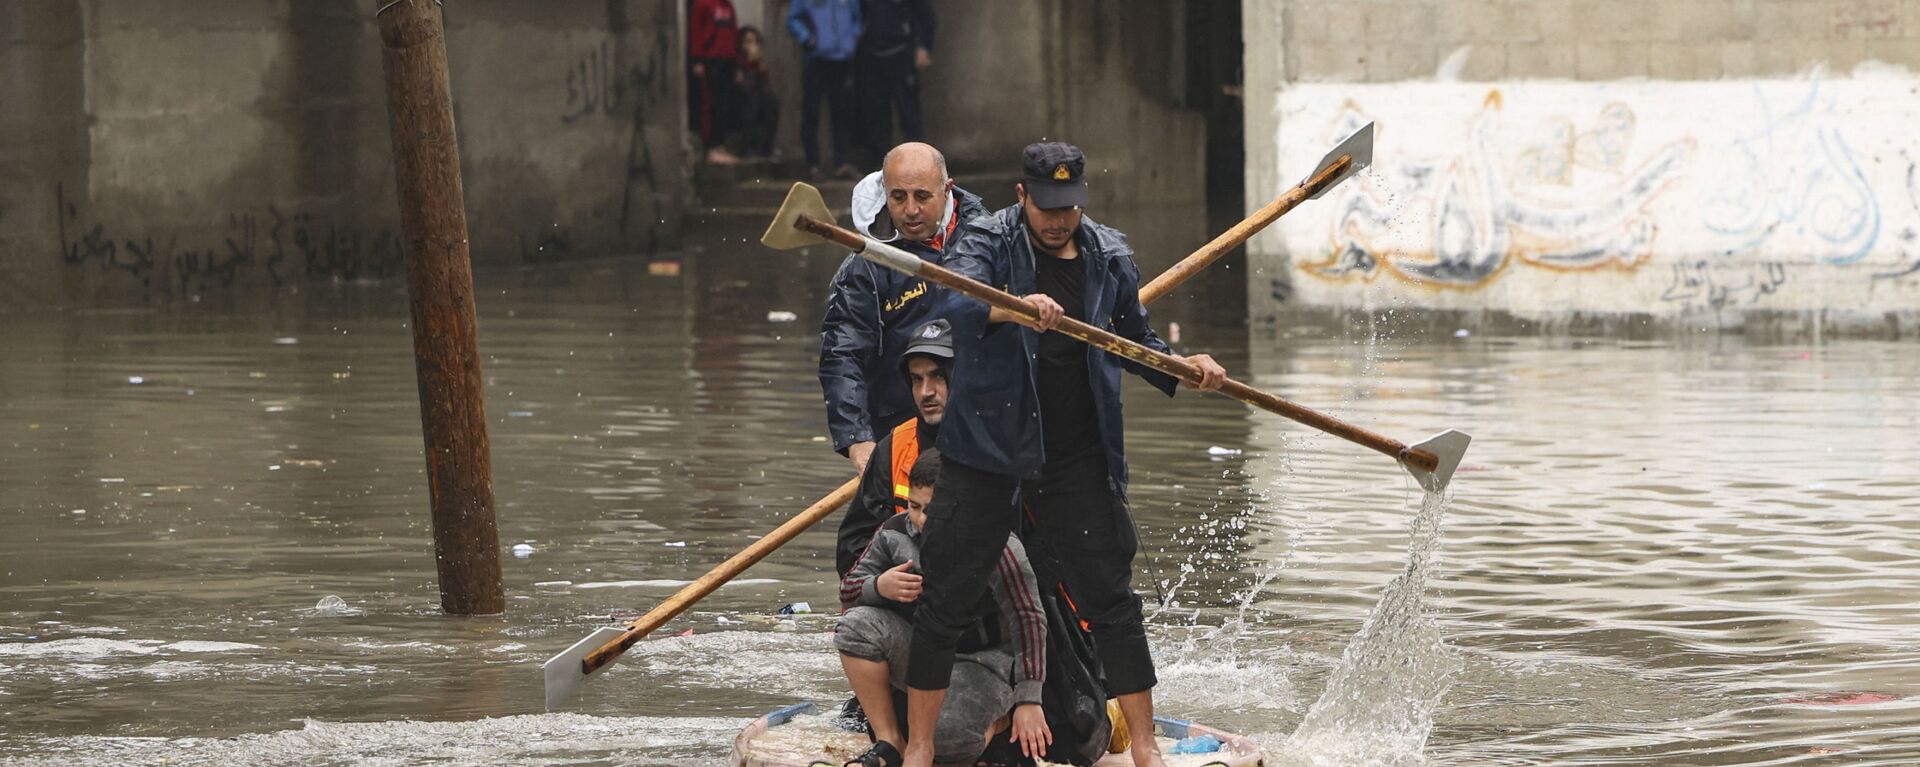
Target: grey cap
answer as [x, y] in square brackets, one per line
[934, 339]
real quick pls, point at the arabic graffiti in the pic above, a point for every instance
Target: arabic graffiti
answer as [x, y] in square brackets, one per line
[1794, 185]
[1483, 218]
[1909, 236]
[159, 263]
[1699, 284]
[596, 86]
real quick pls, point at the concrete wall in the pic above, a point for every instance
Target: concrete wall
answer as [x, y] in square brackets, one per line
[171, 150]
[987, 96]
[1092, 73]
[1700, 162]
[161, 150]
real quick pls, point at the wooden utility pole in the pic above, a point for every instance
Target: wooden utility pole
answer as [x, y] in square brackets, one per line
[426, 163]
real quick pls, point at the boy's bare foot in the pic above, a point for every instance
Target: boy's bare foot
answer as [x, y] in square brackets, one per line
[918, 754]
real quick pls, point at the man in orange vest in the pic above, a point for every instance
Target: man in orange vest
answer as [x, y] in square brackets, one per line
[883, 484]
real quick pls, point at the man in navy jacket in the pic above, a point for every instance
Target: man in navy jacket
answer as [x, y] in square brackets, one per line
[873, 311]
[1036, 417]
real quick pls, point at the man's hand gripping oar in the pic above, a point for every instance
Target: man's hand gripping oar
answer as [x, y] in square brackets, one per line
[567, 672]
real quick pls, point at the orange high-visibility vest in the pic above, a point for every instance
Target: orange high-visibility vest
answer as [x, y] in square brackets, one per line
[906, 450]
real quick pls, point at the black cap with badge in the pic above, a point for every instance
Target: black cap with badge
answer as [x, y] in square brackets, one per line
[934, 339]
[1054, 173]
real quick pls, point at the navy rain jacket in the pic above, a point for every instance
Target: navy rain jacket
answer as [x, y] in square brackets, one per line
[992, 419]
[872, 312]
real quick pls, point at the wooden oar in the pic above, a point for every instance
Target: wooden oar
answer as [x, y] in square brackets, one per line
[567, 672]
[1353, 154]
[805, 220]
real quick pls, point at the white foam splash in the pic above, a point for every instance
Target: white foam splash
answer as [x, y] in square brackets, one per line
[1379, 704]
[529, 739]
[81, 648]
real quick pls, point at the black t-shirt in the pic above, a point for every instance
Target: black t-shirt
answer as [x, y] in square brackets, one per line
[1067, 416]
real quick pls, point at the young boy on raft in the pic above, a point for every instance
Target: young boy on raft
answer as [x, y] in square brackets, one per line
[1000, 662]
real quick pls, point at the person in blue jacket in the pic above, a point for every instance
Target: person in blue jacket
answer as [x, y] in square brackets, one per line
[829, 31]
[1035, 417]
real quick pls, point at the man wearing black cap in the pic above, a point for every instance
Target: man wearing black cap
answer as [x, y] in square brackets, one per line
[883, 485]
[1035, 417]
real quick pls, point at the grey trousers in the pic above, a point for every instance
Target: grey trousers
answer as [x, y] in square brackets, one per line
[981, 690]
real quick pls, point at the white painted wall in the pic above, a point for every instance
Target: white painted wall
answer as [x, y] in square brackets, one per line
[1679, 199]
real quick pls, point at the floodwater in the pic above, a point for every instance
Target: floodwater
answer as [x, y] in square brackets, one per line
[1679, 552]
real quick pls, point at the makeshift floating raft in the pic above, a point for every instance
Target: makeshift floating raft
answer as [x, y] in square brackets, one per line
[805, 735]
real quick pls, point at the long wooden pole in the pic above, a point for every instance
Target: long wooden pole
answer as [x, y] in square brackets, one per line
[894, 258]
[720, 574]
[1241, 232]
[426, 164]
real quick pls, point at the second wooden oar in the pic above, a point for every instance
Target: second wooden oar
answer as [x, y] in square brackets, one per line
[1353, 154]
[566, 672]
[804, 220]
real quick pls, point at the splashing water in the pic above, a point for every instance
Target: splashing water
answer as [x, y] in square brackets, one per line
[1379, 704]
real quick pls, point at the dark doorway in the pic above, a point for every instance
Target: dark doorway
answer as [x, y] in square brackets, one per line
[1213, 87]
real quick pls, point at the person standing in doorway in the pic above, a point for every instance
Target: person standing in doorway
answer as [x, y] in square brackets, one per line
[829, 31]
[895, 47]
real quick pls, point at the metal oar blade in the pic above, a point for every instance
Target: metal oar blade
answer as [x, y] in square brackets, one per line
[802, 200]
[1358, 147]
[563, 671]
[1448, 446]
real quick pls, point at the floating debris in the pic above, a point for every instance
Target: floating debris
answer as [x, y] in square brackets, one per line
[522, 550]
[782, 316]
[332, 606]
[795, 608]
